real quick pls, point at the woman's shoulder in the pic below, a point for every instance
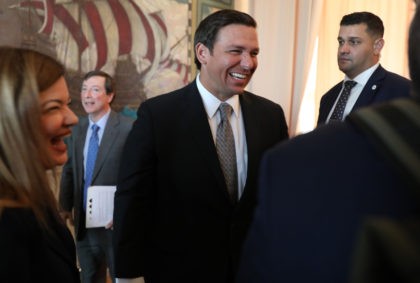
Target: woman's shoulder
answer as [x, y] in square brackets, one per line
[13, 214]
[18, 222]
[20, 236]
[26, 248]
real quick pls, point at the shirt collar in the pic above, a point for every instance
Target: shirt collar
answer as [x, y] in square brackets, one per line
[101, 122]
[364, 76]
[211, 102]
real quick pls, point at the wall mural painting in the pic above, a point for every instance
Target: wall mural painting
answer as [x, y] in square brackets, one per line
[144, 44]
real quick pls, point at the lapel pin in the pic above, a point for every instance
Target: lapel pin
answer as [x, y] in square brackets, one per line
[373, 87]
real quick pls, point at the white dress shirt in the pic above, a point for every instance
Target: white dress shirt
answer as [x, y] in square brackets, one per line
[361, 81]
[101, 124]
[211, 104]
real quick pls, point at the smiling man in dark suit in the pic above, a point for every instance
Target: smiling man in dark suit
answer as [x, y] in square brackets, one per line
[360, 41]
[176, 218]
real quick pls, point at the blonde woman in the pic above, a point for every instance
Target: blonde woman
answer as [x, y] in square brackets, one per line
[35, 117]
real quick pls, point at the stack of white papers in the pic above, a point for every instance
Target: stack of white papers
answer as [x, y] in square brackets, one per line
[100, 205]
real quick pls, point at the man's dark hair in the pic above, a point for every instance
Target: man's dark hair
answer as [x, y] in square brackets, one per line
[109, 81]
[208, 28]
[375, 27]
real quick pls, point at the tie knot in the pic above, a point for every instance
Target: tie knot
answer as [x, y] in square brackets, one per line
[95, 128]
[225, 111]
[349, 84]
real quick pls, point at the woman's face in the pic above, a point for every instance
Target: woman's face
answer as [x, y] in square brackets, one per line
[56, 119]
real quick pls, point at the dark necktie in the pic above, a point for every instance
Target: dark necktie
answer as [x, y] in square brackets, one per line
[342, 101]
[225, 145]
[92, 152]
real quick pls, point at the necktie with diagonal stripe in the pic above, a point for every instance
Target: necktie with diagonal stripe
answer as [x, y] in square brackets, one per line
[225, 145]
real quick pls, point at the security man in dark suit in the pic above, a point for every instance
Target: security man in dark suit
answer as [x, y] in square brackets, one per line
[360, 41]
[175, 218]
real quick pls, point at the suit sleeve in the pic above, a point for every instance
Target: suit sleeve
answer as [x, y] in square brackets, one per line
[134, 198]
[256, 264]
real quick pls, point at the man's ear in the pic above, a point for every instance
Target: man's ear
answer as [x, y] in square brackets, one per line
[202, 53]
[378, 45]
[111, 97]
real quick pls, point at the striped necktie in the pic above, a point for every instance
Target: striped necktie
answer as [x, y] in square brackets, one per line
[225, 145]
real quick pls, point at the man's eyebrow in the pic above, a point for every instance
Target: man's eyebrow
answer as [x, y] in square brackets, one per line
[350, 37]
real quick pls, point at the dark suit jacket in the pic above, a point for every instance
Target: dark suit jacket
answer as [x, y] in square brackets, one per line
[381, 86]
[316, 192]
[106, 165]
[173, 221]
[30, 254]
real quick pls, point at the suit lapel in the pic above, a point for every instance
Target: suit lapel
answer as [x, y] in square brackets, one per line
[197, 122]
[252, 134]
[372, 86]
[108, 138]
[328, 102]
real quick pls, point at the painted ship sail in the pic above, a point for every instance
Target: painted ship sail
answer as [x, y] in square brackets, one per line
[96, 34]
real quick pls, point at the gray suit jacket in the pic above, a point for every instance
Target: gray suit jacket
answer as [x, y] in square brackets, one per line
[106, 166]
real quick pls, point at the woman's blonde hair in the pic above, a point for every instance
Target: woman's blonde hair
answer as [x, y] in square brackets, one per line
[23, 178]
